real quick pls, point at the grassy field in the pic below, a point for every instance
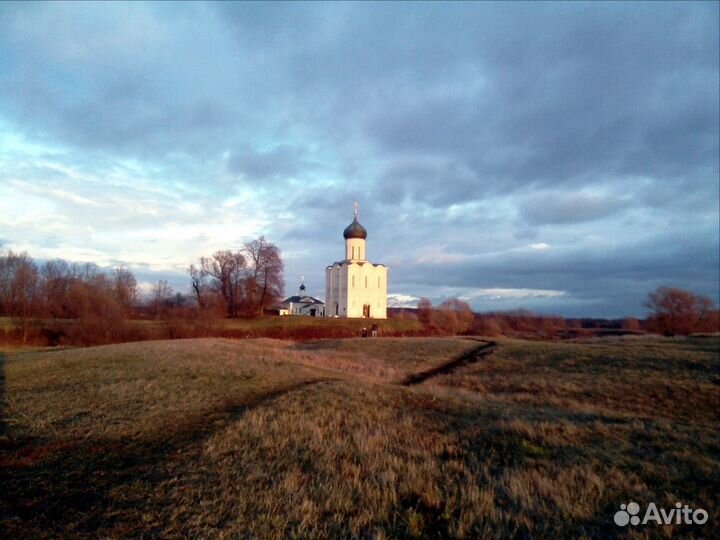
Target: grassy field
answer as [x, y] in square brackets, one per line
[265, 438]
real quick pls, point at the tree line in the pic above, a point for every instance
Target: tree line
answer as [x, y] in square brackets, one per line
[58, 289]
[63, 290]
[240, 283]
[248, 281]
[673, 311]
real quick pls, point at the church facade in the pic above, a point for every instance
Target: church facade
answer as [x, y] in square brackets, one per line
[355, 287]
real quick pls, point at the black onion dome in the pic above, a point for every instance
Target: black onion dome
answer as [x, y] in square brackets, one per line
[355, 230]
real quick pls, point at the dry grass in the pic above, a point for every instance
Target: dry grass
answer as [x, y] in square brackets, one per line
[289, 322]
[652, 378]
[385, 360]
[268, 439]
[136, 389]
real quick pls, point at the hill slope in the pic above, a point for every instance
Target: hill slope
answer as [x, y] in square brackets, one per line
[271, 439]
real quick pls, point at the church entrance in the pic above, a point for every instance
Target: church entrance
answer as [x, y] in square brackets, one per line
[366, 310]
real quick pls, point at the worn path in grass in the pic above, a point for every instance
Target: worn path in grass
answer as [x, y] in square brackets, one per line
[469, 357]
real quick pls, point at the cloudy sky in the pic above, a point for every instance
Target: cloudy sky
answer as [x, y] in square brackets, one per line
[557, 157]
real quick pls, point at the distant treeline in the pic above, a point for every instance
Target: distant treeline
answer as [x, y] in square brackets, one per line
[58, 302]
[102, 301]
[672, 312]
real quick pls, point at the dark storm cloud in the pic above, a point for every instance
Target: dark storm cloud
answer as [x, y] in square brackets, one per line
[561, 208]
[617, 275]
[283, 161]
[572, 96]
[462, 128]
[143, 128]
[509, 95]
[551, 268]
[321, 215]
[441, 182]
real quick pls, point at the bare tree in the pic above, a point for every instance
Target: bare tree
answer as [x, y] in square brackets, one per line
[125, 289]
[88, 272]
[18, 287]
[225, 268]
[631, 324]
[489, 325]
[424, 310]
[248, 281]
[162, 298]
[265, 282]
[454, 316]
[675, 311]
[56, 278]
[199, 284]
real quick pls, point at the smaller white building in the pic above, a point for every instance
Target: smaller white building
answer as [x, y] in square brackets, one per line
[302, 304]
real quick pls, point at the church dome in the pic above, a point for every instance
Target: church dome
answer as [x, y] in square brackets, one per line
[355, 230]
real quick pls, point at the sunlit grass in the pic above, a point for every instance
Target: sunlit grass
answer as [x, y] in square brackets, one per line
[385, 360]
[270, 439]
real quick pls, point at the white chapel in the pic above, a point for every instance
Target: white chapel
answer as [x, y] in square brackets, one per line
[355, 287]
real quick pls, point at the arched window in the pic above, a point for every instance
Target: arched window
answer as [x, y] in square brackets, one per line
[353, 252]
[366, 282]
[353, 281]
[378, 282]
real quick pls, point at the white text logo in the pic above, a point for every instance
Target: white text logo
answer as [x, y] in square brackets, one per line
[680, 515]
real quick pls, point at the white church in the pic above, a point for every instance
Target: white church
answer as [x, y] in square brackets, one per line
[355, 287]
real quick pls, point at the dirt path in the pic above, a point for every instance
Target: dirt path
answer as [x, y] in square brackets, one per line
[469, 357]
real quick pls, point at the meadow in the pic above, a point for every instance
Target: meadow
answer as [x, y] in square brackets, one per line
[263, 438]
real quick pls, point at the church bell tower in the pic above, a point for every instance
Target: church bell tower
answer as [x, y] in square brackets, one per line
[355, 236]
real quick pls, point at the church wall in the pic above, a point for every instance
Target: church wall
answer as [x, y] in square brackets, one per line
[336, 291]
[367, 284]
